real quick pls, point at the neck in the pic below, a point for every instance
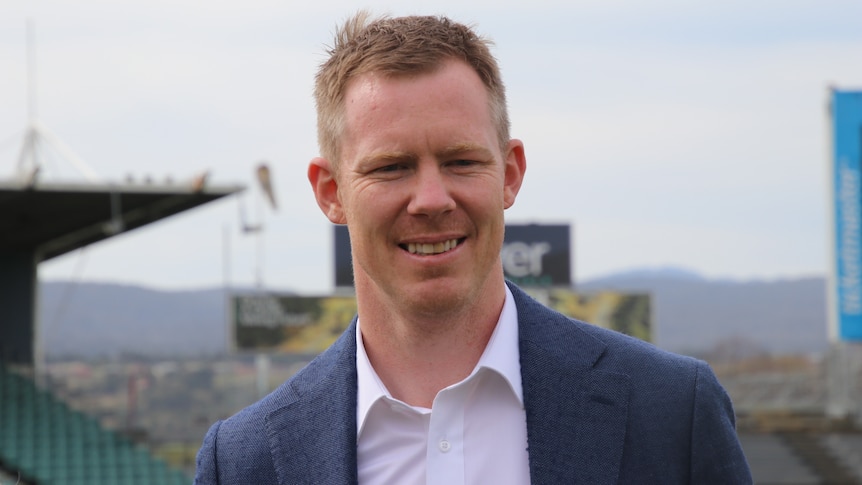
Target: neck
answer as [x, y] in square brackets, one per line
[416, 355]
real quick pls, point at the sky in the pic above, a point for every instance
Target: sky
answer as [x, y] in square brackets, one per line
[667, 133]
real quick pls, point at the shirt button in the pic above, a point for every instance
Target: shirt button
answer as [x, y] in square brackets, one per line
[445, 446]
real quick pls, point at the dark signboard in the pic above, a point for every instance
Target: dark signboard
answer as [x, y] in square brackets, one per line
[343, 261]
[532, 254]
[537, 254]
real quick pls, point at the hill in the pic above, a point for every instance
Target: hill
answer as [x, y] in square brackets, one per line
[692, 315]
[96, 320]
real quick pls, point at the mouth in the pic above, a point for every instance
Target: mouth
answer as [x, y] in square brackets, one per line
[429, 249]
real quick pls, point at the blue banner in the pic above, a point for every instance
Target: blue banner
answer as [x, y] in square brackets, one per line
[847, 203]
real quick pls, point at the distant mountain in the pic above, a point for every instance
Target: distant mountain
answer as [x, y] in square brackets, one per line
[692, 315]
[695, 315]
[649, 274]
[104, 319]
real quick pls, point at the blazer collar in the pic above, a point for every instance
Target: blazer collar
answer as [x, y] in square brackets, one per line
[576, 413]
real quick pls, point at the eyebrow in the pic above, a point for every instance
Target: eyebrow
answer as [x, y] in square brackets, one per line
[387, 157]
[459, 148]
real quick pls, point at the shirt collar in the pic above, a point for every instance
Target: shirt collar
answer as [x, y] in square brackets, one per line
[501, 355]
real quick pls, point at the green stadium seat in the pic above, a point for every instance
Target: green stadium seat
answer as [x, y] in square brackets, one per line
[49, 443]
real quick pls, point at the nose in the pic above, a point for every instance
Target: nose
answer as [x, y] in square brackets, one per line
[431, 193]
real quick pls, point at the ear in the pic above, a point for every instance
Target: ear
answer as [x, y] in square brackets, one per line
[325, 187]
[516, 165]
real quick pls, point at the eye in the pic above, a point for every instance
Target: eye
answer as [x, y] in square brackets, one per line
[395, 167]
[389, 171]
[462, 163]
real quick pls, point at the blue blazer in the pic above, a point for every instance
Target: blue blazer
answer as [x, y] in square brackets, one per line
[602, 408]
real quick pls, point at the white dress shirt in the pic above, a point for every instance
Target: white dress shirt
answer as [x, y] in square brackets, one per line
[474, 433]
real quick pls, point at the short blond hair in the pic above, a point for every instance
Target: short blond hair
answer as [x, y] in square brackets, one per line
[399, 46]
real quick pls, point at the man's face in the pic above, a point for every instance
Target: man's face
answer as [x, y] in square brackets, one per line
[422, 185]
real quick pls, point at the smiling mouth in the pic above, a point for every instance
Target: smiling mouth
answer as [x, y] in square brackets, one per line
[428, 249]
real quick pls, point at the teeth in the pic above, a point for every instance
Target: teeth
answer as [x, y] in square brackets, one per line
[432, 248]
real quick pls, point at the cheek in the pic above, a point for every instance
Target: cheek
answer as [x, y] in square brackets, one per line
[485, 198]
[369, 209]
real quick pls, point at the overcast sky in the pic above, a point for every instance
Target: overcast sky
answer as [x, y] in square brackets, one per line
[668, 133]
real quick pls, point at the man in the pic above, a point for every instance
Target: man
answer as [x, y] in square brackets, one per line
[449, 374]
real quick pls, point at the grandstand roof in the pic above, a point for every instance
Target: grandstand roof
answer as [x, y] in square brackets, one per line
[55, 218]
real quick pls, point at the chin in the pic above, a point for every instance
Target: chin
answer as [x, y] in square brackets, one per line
[435, 299]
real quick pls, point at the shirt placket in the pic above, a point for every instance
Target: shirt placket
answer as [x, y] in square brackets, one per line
[445, 446]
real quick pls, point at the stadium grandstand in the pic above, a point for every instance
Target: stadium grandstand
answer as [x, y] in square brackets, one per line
[43, 440]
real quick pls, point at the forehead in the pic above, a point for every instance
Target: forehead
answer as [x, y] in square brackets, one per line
[446, 102]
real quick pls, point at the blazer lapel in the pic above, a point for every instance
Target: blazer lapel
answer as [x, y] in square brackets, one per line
[313, 436]
[576, 414]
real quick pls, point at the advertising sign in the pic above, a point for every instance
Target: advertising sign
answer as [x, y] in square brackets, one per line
[533, 255]
[308, 325]
[290, 324]
[847, 215]
[629, 313]
[537, 254]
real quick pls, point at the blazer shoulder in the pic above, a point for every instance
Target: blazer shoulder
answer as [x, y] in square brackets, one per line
[679, 425]
[586, 344]
[238, 449]
[639, 355]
